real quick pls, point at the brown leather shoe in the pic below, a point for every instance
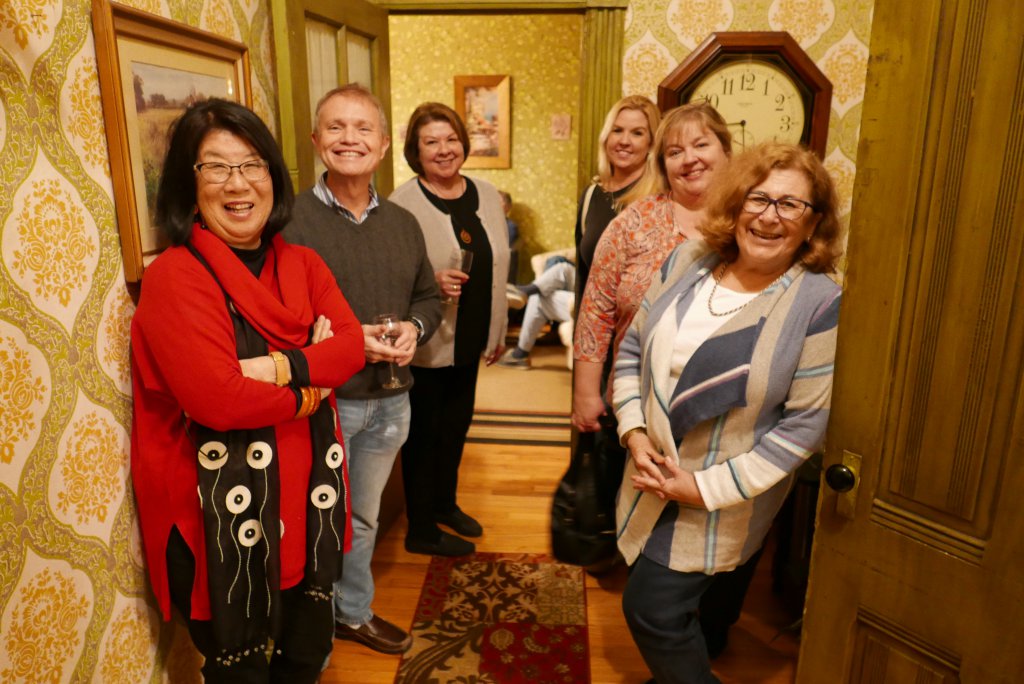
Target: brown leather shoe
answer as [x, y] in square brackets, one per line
[378, 634]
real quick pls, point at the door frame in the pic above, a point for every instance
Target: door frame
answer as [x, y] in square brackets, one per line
[601, 56]
[292, 71]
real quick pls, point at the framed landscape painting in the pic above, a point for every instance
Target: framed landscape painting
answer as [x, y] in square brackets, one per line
[150, 70]
[483, 103]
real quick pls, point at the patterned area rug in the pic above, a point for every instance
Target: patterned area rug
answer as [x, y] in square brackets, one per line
[501, 618]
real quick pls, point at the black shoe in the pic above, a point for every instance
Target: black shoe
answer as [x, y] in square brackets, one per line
[448, 545]
[460, 522]
[378, 634]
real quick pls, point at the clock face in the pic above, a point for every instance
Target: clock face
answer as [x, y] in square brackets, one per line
[758, 100]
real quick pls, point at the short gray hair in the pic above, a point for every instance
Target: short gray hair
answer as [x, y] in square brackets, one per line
[356, 90]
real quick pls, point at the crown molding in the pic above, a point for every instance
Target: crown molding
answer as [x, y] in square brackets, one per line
[502, 5]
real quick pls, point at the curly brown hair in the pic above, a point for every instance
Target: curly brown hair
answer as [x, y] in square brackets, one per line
[726, 197]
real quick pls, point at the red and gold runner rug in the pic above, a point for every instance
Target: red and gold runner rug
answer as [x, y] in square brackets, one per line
[499, 618]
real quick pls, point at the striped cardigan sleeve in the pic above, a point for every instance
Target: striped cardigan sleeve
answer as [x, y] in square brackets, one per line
[801, 428]
[626, 388]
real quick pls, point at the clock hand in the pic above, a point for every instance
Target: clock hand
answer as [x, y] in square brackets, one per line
[742, 123]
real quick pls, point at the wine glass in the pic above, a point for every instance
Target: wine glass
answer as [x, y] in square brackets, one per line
[463, 262]
[392, 331]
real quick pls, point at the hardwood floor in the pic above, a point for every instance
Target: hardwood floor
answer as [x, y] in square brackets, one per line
[508, 488]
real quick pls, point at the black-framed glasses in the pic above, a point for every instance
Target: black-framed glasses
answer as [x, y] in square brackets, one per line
[217, 172]
[788, 208]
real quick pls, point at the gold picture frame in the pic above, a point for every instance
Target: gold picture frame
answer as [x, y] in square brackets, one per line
[483, 103]
[150, 70]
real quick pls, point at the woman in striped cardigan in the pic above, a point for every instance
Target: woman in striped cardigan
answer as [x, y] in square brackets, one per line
[722, 390]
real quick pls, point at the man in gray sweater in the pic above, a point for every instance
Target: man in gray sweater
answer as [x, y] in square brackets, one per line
[376, 251]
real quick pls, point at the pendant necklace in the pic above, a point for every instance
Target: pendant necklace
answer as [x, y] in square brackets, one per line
[714, 289]
[463, 234]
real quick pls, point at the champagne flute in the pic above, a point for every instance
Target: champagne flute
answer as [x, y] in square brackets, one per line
[463, 262]
[392, 331]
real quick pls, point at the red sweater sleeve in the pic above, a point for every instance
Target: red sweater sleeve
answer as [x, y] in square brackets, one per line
[185, 348]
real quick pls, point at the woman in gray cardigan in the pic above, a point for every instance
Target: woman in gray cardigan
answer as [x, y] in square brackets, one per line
[455, 213]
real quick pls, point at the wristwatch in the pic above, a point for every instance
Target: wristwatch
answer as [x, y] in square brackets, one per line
[418, 324]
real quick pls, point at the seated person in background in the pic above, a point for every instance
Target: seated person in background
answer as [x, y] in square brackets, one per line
[513, 236]
[513, 227]
[550, 298]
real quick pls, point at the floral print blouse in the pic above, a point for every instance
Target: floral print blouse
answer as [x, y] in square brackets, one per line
[630, 251]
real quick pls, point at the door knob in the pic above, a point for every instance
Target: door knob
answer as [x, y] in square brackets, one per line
[840, 478]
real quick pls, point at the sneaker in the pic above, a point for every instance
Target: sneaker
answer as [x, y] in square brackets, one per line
[510, 360]
[378, 634]
[516, 299]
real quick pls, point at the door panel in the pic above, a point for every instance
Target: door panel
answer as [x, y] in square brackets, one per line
[322, 44]
[924, 583]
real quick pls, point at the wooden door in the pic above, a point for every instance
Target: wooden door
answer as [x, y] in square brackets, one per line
[918, 574]
[322, 44]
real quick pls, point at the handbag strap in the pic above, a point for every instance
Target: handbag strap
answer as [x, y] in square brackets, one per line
[586, 206]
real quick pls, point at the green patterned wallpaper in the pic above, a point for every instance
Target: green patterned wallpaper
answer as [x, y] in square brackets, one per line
[541, 52]
[74, 602]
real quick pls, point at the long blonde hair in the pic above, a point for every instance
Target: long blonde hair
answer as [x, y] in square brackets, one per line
[641, 104]
[655, 178]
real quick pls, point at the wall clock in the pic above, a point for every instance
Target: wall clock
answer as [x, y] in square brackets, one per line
[763, 84]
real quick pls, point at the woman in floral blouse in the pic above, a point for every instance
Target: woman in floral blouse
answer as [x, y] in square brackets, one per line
[664, 208]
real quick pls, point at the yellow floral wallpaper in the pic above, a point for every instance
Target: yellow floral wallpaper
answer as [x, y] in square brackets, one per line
[541, 52]
[835, 33]
[74, 602]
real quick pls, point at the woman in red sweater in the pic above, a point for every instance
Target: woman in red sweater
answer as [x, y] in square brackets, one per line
[237, 458]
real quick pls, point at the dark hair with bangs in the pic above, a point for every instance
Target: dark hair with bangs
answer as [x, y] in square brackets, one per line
[429, 112]
[727, 194]
[176, 194]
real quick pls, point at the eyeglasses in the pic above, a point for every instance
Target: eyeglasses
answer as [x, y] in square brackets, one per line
[788, 208]
[216, 172]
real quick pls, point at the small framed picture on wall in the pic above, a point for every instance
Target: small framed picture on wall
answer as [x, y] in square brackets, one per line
[483, 102]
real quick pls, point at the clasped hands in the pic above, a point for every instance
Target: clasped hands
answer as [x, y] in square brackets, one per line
[659, 475]
[400, 354]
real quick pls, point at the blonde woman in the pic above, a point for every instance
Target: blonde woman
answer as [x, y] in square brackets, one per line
[623, 148]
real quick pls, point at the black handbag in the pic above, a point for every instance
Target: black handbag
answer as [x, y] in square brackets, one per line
[583, 508]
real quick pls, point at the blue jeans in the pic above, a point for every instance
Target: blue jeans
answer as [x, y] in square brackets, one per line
[374, 431]
[557, 295]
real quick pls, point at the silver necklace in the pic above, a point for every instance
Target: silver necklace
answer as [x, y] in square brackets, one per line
[714, 289]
